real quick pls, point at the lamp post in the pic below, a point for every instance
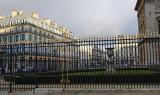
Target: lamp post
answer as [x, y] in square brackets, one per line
[2, 52]
[110, 68]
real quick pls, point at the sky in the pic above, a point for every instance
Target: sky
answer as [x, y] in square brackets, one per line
[83, 17]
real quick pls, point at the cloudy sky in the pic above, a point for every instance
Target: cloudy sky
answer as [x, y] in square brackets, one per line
[82, 17]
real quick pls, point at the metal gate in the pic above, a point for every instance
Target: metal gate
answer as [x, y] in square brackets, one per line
[96, 62]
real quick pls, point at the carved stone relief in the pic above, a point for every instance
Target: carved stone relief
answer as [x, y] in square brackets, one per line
[158, 5]
[152, 1]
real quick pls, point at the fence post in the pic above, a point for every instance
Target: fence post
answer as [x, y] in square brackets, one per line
[36, 67]
[10, 89]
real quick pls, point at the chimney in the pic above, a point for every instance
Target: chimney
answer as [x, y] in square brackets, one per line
[20, 12]
[14, 13]
[61, 27]
[47, 20]
[70, 32]
[35, 15]
[1, 17]
[54, 24]
[67, 30]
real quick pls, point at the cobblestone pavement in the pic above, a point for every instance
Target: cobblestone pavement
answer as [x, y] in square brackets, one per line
[87, 93]
[103, 93]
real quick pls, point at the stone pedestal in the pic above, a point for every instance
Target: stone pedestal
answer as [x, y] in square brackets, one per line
[110, 67]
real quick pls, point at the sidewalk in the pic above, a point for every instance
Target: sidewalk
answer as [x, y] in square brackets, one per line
[87, 93]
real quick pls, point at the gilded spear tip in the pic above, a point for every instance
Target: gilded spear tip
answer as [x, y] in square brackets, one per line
[134, 35]
[92, 38]
[99, 37]
[86, 38]
[112, 36]
[144, 35]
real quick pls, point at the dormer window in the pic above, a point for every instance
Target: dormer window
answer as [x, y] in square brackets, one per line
[17, 22]
[11, 23]
[23, 21]
[39, 24]
[4, 24]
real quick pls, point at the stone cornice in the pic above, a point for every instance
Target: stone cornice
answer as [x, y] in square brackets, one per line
[137, 4]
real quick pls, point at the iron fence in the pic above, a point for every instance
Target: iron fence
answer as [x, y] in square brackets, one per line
[96, 62]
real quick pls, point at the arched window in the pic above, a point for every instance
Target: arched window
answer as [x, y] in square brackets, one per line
[40, 38]
[52, 37]
[30, 29]
[40, 32]
[35, 31]
[48, 35]
[44, 34]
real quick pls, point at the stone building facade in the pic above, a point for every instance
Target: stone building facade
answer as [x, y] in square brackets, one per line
[22, 27]
[148, 13]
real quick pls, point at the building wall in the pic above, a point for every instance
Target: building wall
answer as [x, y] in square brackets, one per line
[149, 53]
[148, 13]
[21, 25]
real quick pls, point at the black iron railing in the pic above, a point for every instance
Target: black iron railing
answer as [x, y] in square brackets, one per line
[105, 62]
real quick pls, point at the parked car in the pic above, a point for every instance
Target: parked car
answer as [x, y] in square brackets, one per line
[27, 69]
[125, 65]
